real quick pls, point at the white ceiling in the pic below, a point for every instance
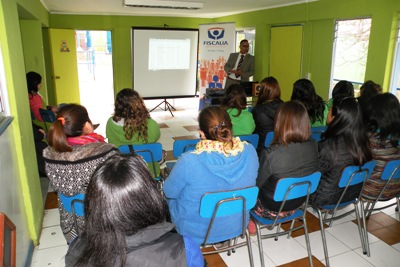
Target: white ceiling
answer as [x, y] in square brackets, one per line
[212, 8]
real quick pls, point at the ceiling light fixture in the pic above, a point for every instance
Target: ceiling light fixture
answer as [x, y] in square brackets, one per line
[163, 4]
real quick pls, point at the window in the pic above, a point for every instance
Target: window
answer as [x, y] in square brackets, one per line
[395, 79]
[350, 50]
[248, 34]
[5, 118]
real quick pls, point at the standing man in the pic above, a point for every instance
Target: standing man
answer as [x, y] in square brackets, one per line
[240, 66]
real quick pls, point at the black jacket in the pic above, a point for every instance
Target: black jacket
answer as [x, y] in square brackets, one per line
[281, 161]
[155, 245]
[333, 158]
[264, 117]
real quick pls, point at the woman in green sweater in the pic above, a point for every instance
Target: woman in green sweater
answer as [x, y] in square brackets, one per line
[236, 105]
[131, 122]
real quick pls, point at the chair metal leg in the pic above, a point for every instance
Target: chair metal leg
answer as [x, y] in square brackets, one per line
[365, 240]
[321, 225]
[360, 230]
[368, 209]
[290, 230]
[249, 248]
[307, 242]
[260, 247]
[278, 228]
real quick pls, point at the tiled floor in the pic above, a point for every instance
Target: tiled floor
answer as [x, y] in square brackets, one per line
[342, 238]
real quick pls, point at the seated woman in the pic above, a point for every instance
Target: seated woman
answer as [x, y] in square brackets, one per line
[126, 222]
[384, 132]
[344, 143]
[368, 90]
[292, 154]
[342, 89]
[38, 136]
[269, 99]
[304, 91]
[34, 82]
[220, 162]
[131, 122]
[74, 153]
[236, 105]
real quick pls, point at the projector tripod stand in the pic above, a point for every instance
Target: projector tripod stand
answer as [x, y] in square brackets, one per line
[167, 106]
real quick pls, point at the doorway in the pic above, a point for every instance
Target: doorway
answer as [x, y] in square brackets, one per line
[95, 72]
[285, 56]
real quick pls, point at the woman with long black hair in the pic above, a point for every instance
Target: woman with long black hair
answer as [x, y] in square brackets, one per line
[344, 143]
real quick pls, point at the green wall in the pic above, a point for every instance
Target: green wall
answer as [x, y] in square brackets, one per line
[23, 151]
[120, 26]
[319, 18]
[24, 19]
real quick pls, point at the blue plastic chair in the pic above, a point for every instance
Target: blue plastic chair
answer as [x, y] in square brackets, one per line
[250, 138]
[288, 189]
[73, 205]
[225, 203]
[317, 131]
[182, 146]
[390, 173]
[351, 175]
[151, 154]
[268, 139]
[47, 116]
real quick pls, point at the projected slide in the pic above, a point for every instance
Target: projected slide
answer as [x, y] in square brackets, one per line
[164, 62]
[167, 54]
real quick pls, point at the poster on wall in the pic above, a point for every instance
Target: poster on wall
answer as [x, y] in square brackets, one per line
[216, 42]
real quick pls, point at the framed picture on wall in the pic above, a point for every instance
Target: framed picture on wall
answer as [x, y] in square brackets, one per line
[7, 241]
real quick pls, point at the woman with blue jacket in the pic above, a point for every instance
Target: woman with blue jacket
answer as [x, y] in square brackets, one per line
[220, 162]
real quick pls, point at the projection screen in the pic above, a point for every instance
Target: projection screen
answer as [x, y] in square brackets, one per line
[164, 62]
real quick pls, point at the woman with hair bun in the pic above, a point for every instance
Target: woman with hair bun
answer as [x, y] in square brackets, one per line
[219, 162]
[126, 221]
[73, 154]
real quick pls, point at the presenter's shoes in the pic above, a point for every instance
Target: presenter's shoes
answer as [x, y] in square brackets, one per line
[252, 228]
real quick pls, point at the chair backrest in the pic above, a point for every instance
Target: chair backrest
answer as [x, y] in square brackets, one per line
[353, 175]
[149, 152]
[251, 138]
[182, 146]
[296, 187]
[73, 204]
[391, 170]
[237, 203]
[47, 115]
[317, 131]
[268, 139]
[228, 205]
